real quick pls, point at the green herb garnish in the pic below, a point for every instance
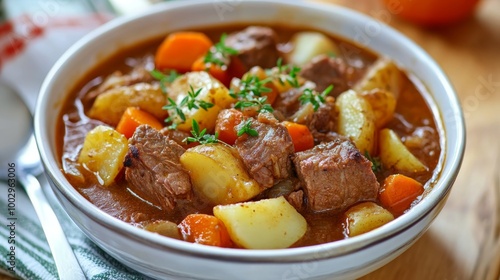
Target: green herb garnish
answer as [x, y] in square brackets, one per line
[245, 128]
[220, 54]
[250, 94]
[376, 164]
[286, 74]
[165, 80]
[190, 101]
[201, 136]
[310, 96]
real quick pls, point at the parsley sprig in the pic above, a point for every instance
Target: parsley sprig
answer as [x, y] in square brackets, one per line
[220, 54]
[245, 127]
[190, 101]
[287, 73]
[164, 79]
[310, 96]
[200, 136]
[250, 94]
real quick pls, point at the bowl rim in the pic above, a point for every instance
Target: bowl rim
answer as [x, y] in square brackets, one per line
[441, 189]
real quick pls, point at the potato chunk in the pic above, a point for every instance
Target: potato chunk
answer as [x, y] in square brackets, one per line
[383, 104]
[385, 75]
[103, 153]
[218, 174]
[394, 154]
[165, 228]
[211, 90]
[264, 224]
[356, 120]
[308, 44]
[110, 105]
[366, 216]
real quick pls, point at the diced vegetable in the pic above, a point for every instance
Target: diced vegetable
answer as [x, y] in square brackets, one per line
[366, 216]
[205, 229]
[398, 193]
[134, 117]
[227, 182]
[179, 50]
[394, 154]
[302, 137]
[165, 228]
[385, 75]
[383, 104]
[211, 91]
[110, 105]
[356, 120]
[103, 153]
[226, 125]
[264, 224]
[307, 45]
[261, 74]
[216, 71]
[225, 73]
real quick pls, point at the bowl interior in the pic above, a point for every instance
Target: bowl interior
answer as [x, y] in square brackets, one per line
[177, 15]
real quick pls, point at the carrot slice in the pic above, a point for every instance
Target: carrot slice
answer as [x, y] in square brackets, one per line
[180, 50]
[134, 117]
[226, 125]
[205, 229]
[398, 192]
[215, 70]
[225, 73]
[301, 136]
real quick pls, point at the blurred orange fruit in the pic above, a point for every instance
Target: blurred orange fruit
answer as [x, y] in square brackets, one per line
[432, 12]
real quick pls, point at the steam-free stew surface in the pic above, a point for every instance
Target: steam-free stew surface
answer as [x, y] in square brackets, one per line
[412, 121]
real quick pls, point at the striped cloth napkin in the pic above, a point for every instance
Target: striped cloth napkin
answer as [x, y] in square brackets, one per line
[35, 35]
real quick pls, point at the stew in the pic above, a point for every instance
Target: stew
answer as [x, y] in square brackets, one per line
[250, 137]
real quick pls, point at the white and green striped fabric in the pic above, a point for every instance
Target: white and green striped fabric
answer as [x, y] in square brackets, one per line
[33, 259]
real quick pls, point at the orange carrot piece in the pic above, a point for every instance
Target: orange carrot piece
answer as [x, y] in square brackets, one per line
[272, 95]
[227, 120]
[180, 50]
[134, 117]
[223, 74]
[301, 136]
[398, 192]
[205, 229]
[215, 70]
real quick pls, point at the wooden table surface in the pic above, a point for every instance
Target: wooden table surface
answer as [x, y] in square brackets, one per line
[464, 240]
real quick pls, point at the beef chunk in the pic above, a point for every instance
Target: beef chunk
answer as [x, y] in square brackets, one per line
[256, 46]
[296, 199]
[320, 137]
[288, 102]
[289, 108]
[177, 135]
[325, 71]
[335, 176]
[325, 118]
[153, 168]
[267, 156]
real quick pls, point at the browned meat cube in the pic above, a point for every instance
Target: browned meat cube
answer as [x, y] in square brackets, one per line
[153, 168]
[335, 175]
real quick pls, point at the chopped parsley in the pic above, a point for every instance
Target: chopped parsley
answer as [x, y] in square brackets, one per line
[310, 96]
[220, 54]
[201, 136]
[165, 79]
[245, 128]
[190, 101]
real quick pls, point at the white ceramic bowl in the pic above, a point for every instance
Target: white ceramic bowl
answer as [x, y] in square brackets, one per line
[162, 257]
